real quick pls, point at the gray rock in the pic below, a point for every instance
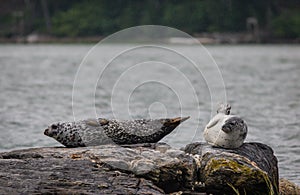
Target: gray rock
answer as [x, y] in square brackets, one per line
[250, 169]
[106, 169]
[138, 169]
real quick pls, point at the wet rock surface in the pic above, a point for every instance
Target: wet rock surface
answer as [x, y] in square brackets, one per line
[139, 169]
[250, 169]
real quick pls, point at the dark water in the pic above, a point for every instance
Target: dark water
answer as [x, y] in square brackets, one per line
[262, 83]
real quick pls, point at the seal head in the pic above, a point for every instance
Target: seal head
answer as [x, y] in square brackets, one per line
[65, 133]
[53, 130]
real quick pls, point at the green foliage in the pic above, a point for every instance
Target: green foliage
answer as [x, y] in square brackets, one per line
[287, 25]
[103, 17]
[80, 20]
[190, 16]
[5, 21]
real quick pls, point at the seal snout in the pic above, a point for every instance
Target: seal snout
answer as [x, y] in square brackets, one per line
[226, 128]
[52, 130]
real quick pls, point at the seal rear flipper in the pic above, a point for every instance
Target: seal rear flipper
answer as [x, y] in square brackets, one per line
[168, 125]
[174, 122]
[179, 119]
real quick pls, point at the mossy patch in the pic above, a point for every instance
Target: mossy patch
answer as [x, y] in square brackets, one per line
[241, 176]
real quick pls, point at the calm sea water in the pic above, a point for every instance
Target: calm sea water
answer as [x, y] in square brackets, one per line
[262, 83]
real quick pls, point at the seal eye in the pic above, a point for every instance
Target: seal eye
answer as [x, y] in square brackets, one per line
[53, 126]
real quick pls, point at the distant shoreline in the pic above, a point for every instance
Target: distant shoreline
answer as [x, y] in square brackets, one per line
[204, 38]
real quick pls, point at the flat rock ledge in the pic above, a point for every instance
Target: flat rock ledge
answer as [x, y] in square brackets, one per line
[140, 169]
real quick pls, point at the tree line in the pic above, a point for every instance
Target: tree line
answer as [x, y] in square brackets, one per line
[77, 18]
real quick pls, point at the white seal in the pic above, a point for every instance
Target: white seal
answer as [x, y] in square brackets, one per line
[225, 130]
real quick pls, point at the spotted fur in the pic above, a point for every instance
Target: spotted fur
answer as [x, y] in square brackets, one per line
[103, 131]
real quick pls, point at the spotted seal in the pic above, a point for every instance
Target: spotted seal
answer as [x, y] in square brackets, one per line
[92, 132]
[225, 130]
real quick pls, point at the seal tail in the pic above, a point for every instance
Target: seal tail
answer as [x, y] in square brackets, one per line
[174, 122]
[179, 119]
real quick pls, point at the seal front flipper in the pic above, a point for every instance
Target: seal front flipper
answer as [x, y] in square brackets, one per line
[92, 122]
[103, 121]
[212, 123]
[96, 122]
